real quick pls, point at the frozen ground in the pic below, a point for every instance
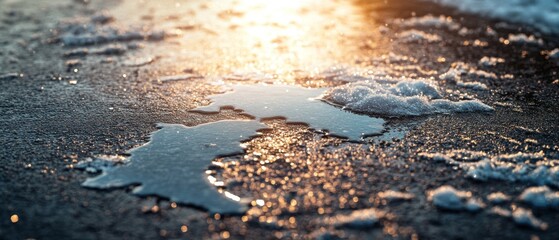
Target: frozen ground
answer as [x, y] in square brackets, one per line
[85, 82]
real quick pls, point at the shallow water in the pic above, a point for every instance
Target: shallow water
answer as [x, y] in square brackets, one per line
[173, 164]
[298, 105]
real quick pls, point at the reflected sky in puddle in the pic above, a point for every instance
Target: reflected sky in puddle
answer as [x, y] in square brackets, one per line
[296, 104]
[173, 164]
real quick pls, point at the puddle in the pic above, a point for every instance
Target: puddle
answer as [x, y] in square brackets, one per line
[173, 164]
[297, 105]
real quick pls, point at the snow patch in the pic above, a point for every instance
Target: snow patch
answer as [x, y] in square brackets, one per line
[525, 217]
[525, 167]
[500, 212]
[554, 54]
[448, 198]
[540, 197]
[404, 98]
[393, 58]
[391, 195]
[429, 21]
[464, 31]
[459, 69]
[521, 216]
[416, 36]
[522, 39]
[472, 85]
[490, 61]
[455, 155]
[360, 219]
[482, 74]
[521, 157]
[498, 198]
[490, 32]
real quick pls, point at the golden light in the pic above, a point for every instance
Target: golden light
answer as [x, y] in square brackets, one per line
[225, 234]
[14, 218]
[278, 38]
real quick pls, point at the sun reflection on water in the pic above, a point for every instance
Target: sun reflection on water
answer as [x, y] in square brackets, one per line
[279, 38]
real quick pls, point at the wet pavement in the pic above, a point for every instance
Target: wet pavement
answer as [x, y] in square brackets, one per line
[80, 82]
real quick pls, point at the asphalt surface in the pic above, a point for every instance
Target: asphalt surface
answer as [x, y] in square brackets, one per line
[48, 123]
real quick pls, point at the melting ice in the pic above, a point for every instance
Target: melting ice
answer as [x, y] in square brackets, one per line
[404, 98]
[415, 36]
[429, 21]
[364, 218]
[447, 197]
[534, 168]
[540, 197]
